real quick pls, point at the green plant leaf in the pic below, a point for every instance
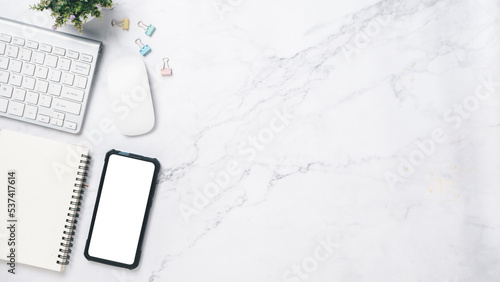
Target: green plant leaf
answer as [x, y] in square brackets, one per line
[62, 10]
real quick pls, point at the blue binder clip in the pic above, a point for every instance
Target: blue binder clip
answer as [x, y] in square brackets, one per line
[144, 49]
[149, 29]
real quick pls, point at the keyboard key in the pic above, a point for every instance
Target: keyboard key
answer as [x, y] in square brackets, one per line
[4, 76]
[30, 112]
[15, 66]
[68, 79]
[81, 82]
[51, 61]
[16, 79]
[42, 118]
[55, 89]
[42, 86]
[25, 55]
[38, 58]
[41, 72]
[19, 94]
[5, 38]
[66, 106]
[56, 122]
[81, 68]
[59, 51]
[4, 63]
[12, 51]
[73, 54]
[28, 69]
[32, 98]
[55, 75]
[3, 105]
[29, 82]
[87, 58]
[15, 108]
[6, 91]
[45, 48]
[64, 64]
[2, 48]
[18, 41]
[32, 44]
[45, 101]
[58, 115]
[72, 94]
[70, 125]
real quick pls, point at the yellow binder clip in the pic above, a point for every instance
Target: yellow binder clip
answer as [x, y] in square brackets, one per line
[124, 24]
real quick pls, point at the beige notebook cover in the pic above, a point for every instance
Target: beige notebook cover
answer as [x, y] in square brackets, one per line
[48, 176]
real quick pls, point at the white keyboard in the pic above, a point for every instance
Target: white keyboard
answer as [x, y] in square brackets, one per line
[45, 76]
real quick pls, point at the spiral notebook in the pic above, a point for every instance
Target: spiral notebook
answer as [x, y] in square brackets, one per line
[41, 183]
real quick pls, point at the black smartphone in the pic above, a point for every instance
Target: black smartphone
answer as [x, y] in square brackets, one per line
[122, 207]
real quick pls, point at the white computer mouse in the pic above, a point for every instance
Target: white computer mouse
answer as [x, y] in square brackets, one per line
[131, 101]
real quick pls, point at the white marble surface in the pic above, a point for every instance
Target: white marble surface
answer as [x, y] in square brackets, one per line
[305, 108]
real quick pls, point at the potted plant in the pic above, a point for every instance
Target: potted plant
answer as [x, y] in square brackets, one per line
[75, 12]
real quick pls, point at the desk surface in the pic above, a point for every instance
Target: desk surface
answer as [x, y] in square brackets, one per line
[305, 140]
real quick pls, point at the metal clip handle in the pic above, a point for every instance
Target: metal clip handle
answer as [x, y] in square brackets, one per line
[165, 62]
[139, 42]
[143, 25]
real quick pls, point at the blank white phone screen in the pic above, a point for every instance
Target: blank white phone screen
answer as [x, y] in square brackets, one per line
[121, 209]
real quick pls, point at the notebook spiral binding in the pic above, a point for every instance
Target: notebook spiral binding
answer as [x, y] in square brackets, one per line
[74, 208]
